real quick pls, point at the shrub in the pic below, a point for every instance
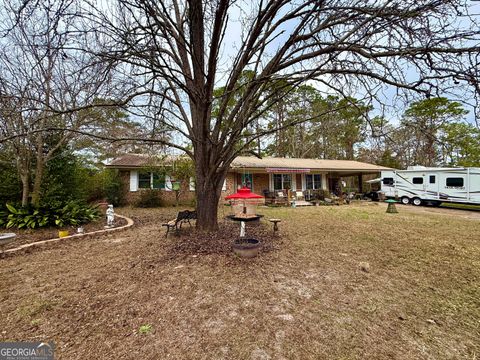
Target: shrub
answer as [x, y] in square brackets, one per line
[10, 185]
[113, 187]
[55, 214]
[149, 198]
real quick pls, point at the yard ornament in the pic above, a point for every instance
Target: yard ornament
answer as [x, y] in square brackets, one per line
[110, 216]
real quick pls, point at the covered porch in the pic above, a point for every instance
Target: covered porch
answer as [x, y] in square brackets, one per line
[302, 185]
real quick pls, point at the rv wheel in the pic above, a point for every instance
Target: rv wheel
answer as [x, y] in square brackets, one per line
[417, 201]
[405, 200]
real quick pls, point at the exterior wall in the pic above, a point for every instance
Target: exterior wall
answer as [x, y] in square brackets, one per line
[229, 186]
[298, 182]
[168, 197]
[187, 196]
[261, 181]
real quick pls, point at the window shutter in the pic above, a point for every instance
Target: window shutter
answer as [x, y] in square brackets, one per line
[192, 184]
[168, 183]
[133, 180]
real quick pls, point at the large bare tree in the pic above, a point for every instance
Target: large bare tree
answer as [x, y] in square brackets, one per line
[171, 55]
[42, 79]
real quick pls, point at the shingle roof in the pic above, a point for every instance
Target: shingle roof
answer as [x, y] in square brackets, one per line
[313, 164]
[138, 160]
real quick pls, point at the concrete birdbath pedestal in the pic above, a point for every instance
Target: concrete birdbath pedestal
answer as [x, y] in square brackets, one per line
[244, 206]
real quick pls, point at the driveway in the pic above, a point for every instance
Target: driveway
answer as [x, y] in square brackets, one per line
[465, 214]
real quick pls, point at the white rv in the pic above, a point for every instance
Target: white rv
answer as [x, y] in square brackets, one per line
[419, 185]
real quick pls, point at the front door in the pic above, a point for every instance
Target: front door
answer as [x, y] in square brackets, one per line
[247, 180]
[334, 186]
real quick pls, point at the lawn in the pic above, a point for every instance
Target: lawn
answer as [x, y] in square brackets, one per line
[343, 282]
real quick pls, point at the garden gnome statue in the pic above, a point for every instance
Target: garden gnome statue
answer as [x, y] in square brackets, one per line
[110, 216]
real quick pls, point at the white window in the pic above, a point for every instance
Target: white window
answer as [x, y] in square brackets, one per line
[282, 181]
[150, 180]
[313, 181]
[144, 180]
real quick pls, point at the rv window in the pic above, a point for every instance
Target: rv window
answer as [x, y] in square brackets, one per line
[432, 179]
[388, 181]
[417, 180]
[455, 182]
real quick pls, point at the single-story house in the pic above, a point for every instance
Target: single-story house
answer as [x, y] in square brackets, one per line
[268, 174]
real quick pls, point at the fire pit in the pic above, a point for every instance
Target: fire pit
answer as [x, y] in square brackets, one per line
[247, 248]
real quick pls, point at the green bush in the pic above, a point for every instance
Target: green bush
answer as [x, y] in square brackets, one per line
[61, 182]
[10, 185]
[113, 187]
[55, 214]
[149, 198]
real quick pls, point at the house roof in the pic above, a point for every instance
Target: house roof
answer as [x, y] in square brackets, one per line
[246, 162]
[312, 164]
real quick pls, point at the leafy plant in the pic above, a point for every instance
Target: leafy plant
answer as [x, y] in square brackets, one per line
[55, 214]
[145, 329]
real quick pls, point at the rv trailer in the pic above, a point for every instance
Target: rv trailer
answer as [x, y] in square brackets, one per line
[419, 185]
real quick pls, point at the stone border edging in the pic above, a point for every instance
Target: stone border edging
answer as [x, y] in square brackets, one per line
[75, 236]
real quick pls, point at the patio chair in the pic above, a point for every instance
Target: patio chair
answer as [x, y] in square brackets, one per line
[299, 195]
[280, 198]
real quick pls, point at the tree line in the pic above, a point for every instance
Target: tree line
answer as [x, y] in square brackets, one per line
[430, 132]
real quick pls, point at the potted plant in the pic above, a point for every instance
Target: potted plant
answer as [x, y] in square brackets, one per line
[61, 224]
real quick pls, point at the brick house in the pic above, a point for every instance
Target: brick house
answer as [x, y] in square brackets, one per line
[261, 175]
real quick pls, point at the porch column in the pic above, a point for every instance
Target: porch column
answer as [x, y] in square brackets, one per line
[360, 183]
[324, 182]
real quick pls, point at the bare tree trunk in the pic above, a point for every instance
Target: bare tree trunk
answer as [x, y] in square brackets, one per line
[208, 191]
[207, 206]
[37, 184]
[25, 188]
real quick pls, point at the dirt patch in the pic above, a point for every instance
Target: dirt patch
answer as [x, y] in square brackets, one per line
[193, 242]
[458, 213]
[137, 295]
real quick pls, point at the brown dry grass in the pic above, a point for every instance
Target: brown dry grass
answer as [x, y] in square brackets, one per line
[133, 295]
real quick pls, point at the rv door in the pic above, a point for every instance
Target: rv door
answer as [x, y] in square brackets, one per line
[432, 186]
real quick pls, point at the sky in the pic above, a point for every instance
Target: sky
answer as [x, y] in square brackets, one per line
[388, 103]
